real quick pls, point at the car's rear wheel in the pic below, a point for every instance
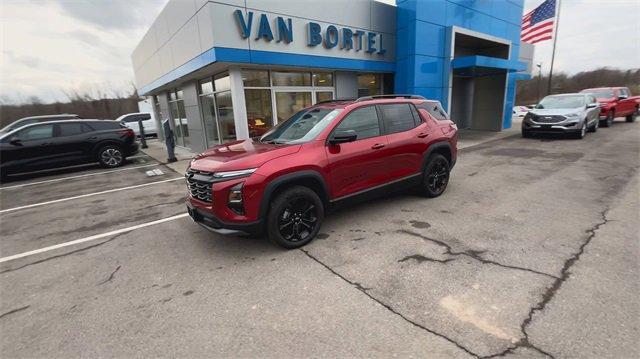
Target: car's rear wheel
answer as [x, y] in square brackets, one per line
[295, 217]
[632, 117]
[595, 126]
[436, 175]
[110, 156]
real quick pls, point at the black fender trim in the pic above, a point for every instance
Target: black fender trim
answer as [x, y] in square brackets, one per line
[436, 146]
[291, 177]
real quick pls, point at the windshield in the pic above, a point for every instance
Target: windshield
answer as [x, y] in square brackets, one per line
[553, 102]
[601, 93]
[302, 127]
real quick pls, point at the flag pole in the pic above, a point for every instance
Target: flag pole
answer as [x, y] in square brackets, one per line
[553, 52]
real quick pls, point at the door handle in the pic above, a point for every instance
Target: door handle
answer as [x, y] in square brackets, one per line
[92, 138]
[423, 135]
[377, 146]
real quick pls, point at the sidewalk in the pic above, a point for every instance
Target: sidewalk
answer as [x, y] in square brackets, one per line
[158, 151]
[468, 138]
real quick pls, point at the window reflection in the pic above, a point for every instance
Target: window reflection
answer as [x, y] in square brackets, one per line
[259, 111]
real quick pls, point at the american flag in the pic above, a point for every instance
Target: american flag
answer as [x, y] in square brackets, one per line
[537, 24]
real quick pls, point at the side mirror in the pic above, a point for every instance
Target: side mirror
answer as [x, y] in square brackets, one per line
[592, 105]
[15, 141]
[343, 137]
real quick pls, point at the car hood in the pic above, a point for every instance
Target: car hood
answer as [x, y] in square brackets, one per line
[240, 155]
[555, 111]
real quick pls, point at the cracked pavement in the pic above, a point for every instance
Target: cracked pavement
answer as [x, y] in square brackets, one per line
[532, 252]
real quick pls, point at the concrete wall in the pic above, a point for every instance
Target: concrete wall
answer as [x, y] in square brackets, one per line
[189, 34]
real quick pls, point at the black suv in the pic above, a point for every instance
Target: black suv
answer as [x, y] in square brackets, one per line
[64, 143]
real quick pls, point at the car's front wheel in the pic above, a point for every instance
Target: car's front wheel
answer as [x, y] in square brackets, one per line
[595, 126]
[436, 175]
[295, 217]
[632, 117]
[609, 120]
[110, 156]
[582, 132]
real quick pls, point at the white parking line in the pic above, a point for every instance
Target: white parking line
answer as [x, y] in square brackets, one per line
[78, 176]
[91, 238]
[138, 156]
[89, 195]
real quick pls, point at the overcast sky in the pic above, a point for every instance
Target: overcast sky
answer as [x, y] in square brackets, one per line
[52, 47]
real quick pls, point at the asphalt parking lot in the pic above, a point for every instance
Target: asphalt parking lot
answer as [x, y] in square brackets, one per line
[531, 252]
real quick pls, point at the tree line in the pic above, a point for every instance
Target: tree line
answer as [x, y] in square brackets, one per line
[530, 91]
[86, 105]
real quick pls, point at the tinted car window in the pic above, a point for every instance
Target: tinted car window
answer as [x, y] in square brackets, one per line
[71, 129]
[397, 117]
[363, 120]
[434, 109]
[36, 133]
[105, 125]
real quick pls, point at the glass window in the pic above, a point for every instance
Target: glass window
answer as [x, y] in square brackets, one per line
[324, 96]
[222, 82]
[301, 127]
[225, 116]
[255, 78]
[363, 120]
[40, 132]
[323, 79]
[179, 94]
[209, 118]
[434, 108]
[206, 86]
[105, 125]
[397, 118]
[291, 78]
[288, 103]
[259, 111]
[172, 96]
[72, 129]
[369, 84]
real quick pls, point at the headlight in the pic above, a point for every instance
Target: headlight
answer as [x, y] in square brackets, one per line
[575, 114]
[234, 174]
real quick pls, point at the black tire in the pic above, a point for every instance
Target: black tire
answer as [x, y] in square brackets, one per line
[436, 176]
[609, 120]
[295, 217]
[583, 131]
[110, 156]
[595, 126]
[632, 117]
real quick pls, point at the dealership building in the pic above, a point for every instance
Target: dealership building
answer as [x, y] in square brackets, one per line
[231, 69]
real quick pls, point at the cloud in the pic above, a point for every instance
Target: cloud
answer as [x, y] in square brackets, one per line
[118, 15]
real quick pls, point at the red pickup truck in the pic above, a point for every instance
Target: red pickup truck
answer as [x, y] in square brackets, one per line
[615, 102]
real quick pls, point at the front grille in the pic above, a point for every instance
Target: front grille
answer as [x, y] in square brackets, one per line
[199, 184]
[547, 119]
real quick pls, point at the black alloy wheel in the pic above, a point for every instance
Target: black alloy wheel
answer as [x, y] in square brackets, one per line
[295, 217]
[436, 175]
[110, 156]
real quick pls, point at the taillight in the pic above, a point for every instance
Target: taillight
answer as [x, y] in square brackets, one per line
[126, 132]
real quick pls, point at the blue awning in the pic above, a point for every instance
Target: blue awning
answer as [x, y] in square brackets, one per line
[473, 66]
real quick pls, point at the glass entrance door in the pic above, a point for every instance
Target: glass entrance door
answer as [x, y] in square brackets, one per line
[290, 102]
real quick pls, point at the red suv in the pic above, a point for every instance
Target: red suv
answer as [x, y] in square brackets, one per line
[331, 153]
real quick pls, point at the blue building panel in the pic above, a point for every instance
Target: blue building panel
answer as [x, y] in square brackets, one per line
[424, 43]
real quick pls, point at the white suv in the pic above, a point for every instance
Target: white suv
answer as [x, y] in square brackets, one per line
[131, 121]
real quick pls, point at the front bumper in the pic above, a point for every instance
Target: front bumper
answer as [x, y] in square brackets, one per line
[567, 126]
[212, 223]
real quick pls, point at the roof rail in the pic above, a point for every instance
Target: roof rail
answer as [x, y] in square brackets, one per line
[369, 98]
[336, 100]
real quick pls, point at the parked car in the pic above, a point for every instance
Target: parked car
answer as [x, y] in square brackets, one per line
[64, 143]
[323, 156]
[520, 111]
[36, 119]
[573, 113]
[130, 120]
[615, 102]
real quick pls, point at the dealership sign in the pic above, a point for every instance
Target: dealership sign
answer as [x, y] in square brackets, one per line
[331, 36]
